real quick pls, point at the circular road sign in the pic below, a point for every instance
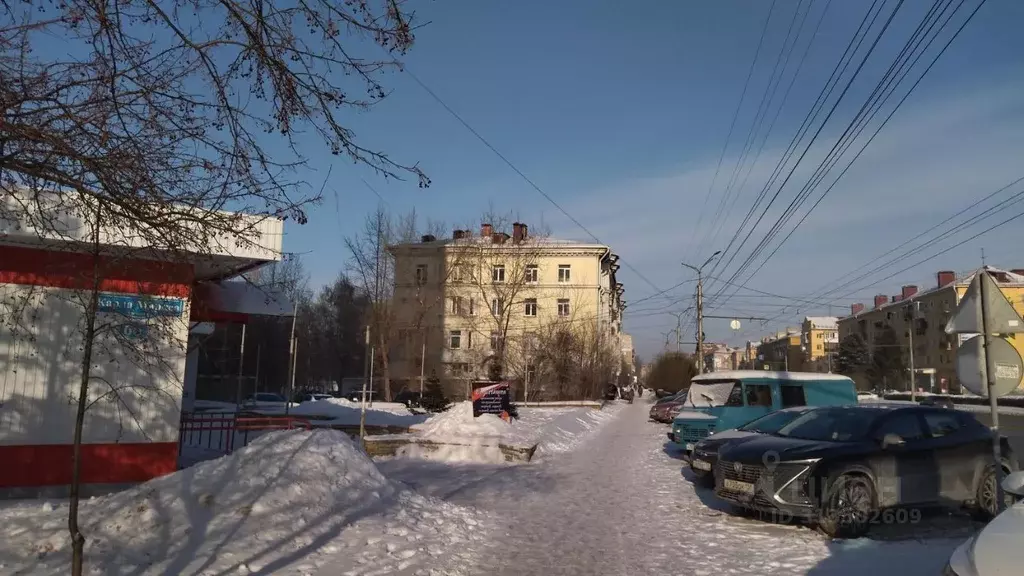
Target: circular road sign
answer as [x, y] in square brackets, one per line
[735, 324]
[1005, 359]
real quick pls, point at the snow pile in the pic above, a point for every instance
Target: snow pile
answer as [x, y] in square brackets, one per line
[291, 502]
[566, 431]
[471, 451]
[345, 412]
[458, 423]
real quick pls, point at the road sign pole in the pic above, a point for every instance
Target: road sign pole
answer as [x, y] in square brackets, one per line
[990, 380]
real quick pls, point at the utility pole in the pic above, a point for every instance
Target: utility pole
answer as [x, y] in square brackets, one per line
[911, 315]
[423, 362]
[366, 377]
[700, 309]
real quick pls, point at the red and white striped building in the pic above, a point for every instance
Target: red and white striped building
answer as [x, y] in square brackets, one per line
[132, 437]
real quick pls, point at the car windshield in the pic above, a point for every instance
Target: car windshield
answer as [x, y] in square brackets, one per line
[830, 425]
[710, 393]
[771, 423]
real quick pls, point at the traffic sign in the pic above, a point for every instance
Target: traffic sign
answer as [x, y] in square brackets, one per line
[1003, 359]
[1001, 317]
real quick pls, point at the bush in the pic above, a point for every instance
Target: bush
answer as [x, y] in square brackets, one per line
[433, 399]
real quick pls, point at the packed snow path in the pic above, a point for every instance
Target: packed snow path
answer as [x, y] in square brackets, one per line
[618, 504]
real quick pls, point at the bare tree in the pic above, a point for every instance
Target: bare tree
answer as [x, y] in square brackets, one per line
[144, 121]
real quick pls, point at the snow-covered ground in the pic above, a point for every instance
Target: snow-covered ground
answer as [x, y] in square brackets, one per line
[341, 411]
[292, 502]
[618, 504]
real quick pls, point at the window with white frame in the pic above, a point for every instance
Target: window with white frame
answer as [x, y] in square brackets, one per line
[455, 339]
[421, 274]
[564, 272]
[497, 307]
[563, 306]
[530, 307]
[532, 274]
[498, 273]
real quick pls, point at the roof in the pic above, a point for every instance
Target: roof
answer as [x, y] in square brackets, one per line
[538, 241]
[769, 374]
[823, 322]
[1013, 279]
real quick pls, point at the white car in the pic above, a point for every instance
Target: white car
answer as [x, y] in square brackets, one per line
[996, 550]
[865, 396]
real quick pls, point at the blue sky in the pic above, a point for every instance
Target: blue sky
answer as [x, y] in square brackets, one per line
[620, 111]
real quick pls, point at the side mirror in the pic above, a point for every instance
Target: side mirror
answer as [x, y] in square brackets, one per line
[890, 440]
[1013, 484]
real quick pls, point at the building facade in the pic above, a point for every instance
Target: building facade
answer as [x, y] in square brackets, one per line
[885, 329]
[781, 351]
[819, 340]
[475, 303]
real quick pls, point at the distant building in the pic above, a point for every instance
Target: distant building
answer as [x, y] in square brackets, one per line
[781, 352]
[819, 340]
[934, 350]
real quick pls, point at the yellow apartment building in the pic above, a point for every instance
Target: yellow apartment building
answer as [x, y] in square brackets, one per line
[466, 304]
[819, 340]
[934, 350]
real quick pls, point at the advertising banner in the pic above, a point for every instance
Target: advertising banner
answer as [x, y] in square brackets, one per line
[492, 398]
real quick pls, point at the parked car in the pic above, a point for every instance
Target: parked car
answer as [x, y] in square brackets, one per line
[665, 410]
[996, 549]
[937, 401]
[724, 400]
[705, 453]
[867, 396]
[357, 396]
[311, 397]
[265, 401]
[841, 466]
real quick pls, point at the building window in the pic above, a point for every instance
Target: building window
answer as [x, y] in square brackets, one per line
[458, 368]
[472, 306]
[498, 273]
[531, 373]
[531, 341]
[530, 307]
[456, 274]
[497, 307]
[495, 340]
[563, 306]
[456, 307]
[532, 274]
[564, 272]
[455, 339]
[421, 274]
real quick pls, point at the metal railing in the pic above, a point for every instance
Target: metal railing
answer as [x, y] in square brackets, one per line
[226, 431]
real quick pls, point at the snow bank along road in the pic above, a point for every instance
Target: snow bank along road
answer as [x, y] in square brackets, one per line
[618, 504]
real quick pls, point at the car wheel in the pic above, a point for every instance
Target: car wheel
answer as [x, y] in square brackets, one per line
[850, 500]
[703, 479]
[985, 499]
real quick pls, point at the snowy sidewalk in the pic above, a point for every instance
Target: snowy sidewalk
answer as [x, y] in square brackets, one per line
[619, 505]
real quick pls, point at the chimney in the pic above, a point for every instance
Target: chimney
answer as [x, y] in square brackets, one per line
[897, 298]
[946, 277]
[498, 237]
[458, 234]
[486, 230]
[880, 300]
[428, 238]
[517, 232]
[908, 291]
[526, 230]
[856, 309]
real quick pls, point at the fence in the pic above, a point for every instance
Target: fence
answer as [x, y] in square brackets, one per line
[219, 433]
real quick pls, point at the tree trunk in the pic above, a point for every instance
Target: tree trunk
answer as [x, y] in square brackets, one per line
[385, 367]
[77, 538]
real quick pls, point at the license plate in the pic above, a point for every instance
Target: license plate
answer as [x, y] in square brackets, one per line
[689, 446]
[701, 465]
[736, 486]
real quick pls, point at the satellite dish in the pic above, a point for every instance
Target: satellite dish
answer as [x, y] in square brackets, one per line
[735, 324]
[1004, 358]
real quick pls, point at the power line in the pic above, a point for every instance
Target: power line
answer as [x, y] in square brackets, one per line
[864, 119]
[732, 124]
[515, 169]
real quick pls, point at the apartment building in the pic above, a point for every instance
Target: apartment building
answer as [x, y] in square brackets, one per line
[781, 351]
[467, 305]
[819, 341]
[887, 325]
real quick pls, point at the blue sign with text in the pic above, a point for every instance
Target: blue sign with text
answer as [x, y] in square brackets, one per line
[141, 307]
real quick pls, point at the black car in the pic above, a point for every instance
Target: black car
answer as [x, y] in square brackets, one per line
[841, 466]
[705, 452]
